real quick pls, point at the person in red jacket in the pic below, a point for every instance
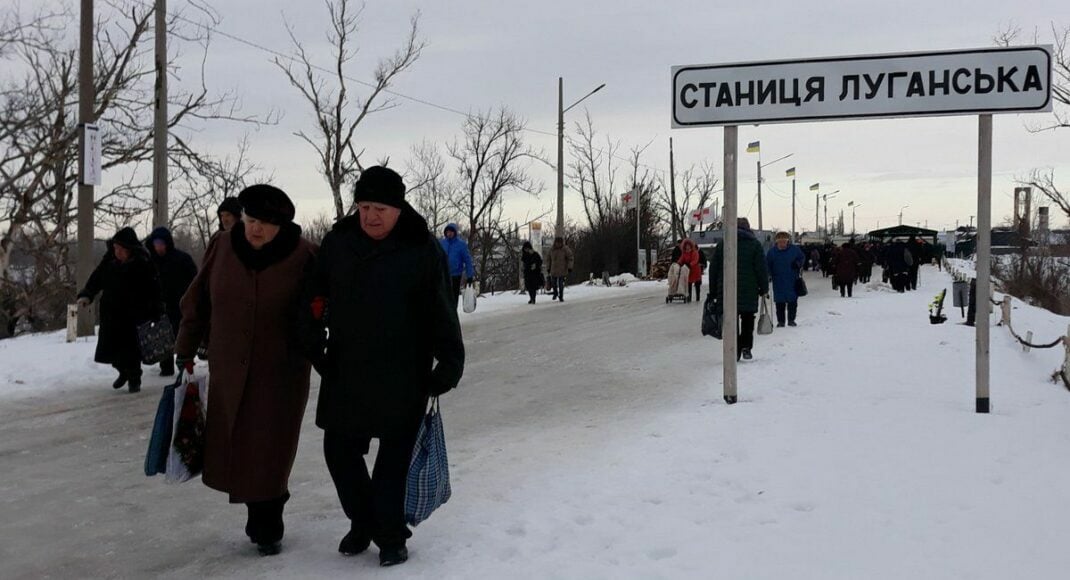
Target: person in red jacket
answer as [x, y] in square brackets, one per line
[689, 256]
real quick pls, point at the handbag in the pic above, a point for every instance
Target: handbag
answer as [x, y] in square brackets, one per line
[712, 317]
[469, 299]
[162, 430]
[156, 340]
[800, 286]
[428, 483]
[185, 459]
[765, 322]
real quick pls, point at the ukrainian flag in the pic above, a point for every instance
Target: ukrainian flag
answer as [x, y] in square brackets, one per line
[815, 187]
[790, 172]
[753, 147]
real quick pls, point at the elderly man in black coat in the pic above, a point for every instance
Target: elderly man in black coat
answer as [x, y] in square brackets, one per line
[177, 271]
[381, 288]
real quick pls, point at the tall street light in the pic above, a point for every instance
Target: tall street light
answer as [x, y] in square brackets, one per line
[901, 214]
[561, 110]
[853, 207]
[756, 147]
[826, 197]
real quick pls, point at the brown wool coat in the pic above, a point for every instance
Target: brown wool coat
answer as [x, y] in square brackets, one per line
[259, 376]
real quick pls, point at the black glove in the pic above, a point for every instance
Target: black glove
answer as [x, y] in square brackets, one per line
[185, 363]
[438, 389]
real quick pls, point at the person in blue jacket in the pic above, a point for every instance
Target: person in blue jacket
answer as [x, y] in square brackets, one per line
[785, 261]
[458, 258]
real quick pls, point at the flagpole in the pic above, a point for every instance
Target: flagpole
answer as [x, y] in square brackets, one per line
[793, 209]
[638, 243]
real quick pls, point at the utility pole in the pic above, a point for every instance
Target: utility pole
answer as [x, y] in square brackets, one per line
[559, 229]
[760, 192]
[86, 99]
[160, 217]
[793, 240]
[817, 210]
[676, 235]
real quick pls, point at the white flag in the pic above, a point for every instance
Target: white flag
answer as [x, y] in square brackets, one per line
[630, 200]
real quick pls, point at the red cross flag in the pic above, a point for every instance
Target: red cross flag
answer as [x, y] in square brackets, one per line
[696, 217]
[630, 200]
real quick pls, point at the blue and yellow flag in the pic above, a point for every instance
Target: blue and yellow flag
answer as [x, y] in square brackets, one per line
[753, 147]
[814, 187]
[790, 172]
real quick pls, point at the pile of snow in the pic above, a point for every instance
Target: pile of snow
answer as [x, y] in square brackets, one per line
[510, 301]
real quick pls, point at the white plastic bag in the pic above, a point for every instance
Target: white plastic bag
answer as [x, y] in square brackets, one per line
[177, 470]
[468, 299]
[765, 321]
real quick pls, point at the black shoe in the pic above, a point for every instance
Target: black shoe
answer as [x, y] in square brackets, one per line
[393, 556]
[119, 382]
[746, 354]
[269, 549]
[135, 385]
[531, 302]
[354, 544]
[780, 325]
[792, 323]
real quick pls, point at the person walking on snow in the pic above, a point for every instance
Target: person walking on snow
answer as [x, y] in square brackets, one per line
[785, 262]
[689, 256]
[560, 265]
[176, 271]
[846, 263]
[385, 338]
[247, 297]
[130, 296]
[533, 278]
[752, 282]
[459, 259]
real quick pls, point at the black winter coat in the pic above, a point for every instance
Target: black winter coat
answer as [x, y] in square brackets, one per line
[533, 277]
[752, 274]
[130, 295]
[391, 314]
[176, 270]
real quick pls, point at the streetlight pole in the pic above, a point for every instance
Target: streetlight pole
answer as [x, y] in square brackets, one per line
[559, 229]
[853, 207]
[826, 198]
[901, 214]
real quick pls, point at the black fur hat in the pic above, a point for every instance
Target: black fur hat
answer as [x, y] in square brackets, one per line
[267, 204]
[380, 185]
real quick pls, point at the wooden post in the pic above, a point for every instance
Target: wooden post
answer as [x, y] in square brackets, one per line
[1066, 359]
[984, 260]
[729, 332]
[1029, 339]
[160, 202]
[86, 99]
[1005, 311]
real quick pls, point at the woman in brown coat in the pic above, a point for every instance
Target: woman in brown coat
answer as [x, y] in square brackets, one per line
[246, 297]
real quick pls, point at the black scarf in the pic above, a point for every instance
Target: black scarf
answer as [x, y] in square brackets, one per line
[272, 253]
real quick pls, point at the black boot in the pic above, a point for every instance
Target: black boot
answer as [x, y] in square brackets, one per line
[119, 382]
[746, 354]
[394, 555]
[135, 385]
[269, 549]
[354, 543]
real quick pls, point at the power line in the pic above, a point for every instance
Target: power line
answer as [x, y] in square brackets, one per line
[278, 54]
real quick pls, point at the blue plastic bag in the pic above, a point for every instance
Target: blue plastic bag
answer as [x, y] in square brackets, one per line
[162, 429]
[428, 485]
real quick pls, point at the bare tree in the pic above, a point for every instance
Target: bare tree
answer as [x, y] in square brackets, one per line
[697, 184]
[430, 191]
[327, 91]
[1044, 182]
[594, 173]
[492, 161]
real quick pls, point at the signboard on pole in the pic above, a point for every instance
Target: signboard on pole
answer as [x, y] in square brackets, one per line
[536, 237]
[90, 155]
[955, 82]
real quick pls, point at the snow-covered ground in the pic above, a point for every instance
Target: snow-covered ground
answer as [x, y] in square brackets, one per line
[589, 440]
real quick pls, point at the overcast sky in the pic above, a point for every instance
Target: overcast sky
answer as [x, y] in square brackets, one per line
[483, 54]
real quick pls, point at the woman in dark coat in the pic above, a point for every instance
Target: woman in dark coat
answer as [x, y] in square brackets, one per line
[130, 296]
[176, 270]
[752, 282]
[533, 277]
[246, 296]
[846, 263]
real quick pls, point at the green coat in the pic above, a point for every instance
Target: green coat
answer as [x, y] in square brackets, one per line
[753, 277]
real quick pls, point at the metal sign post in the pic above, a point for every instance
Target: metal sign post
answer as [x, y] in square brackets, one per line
[729, 274]
[984, 261]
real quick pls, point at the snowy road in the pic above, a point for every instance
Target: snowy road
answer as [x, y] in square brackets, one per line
[589, 440]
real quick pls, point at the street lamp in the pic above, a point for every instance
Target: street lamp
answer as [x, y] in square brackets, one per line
[755, 147]
[853, 207]
[901, 214]
[561, 110]
[825, 197]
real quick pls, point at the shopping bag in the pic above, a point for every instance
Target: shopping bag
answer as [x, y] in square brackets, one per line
[428, 484]
[800, 287]
[162, 429]
[156, 339]
[712, 317]
[185, 459]
[765, 322]
[469, 299]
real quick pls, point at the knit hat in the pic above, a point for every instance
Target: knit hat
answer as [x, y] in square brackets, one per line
[380, 185]
[743, 223]
[230, 205]
[126, 238]
[267, 204]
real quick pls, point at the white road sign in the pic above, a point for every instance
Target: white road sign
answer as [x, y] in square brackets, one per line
[959, 82]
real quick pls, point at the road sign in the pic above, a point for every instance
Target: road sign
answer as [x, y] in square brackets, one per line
[91, 165]
[956, 82]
